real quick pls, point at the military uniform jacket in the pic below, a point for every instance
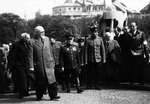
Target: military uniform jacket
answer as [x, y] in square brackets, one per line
[95, 50]
[56, 51]
[69, 57]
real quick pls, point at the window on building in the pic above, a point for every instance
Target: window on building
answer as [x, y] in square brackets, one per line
[99, 8]
[89, 8]
[69, 8]
[59, 9]
[74, 8]
[93, 8]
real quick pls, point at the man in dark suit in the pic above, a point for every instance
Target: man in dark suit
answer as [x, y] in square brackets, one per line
[94, 56]
[138, 48]
[18, 64]
[56, 50]
[41, 60]
[70, 62]
[2, 70]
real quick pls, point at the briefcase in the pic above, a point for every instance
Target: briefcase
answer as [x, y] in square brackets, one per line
[33, 76]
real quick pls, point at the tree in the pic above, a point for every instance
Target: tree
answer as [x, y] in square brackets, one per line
[10, 24]
[60, 25]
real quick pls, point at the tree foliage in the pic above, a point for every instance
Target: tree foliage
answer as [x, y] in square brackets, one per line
[10, 24]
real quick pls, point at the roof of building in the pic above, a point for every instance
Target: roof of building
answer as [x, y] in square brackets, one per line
[145, 9]
[71, 4]
[67, 5]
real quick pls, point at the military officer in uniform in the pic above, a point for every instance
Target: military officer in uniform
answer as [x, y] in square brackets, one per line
[94, 56]
[70, 62]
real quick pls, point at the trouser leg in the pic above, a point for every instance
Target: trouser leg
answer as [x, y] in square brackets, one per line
[52, 90]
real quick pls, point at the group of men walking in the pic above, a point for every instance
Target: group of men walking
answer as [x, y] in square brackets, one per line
[48, 62]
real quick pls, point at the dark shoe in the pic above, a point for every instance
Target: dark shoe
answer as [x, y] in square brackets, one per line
[27, 94]
[141, 83]
[88, 87]
[20, 96]
[79, 90]
[55, 98]
[38, 99]
[98, 88]
[63, 87]
[68, 90]
[131, 82]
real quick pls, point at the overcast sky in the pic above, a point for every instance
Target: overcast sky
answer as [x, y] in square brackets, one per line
[29, 7]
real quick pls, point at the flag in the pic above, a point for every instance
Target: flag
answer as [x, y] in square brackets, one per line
[121, 6]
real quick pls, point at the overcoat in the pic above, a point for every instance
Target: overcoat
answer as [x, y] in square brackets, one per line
[42, 60]
[113, 57]
[18, 64]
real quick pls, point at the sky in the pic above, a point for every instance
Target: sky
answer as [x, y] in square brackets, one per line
[27, 8]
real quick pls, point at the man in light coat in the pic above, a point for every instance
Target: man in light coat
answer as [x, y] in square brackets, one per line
[41, 61]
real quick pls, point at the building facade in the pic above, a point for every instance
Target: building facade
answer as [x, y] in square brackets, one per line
[145, 12]
[77, 9]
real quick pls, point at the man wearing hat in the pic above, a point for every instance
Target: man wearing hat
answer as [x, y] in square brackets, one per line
[70, 62]
[94, 56]
[41, 61]
[56, 50]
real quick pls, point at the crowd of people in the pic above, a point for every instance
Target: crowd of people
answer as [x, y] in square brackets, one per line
[41, 63]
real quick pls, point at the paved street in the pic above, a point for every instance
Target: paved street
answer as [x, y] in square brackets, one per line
[104, 96]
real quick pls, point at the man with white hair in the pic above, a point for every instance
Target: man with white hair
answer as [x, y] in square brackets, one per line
[18, 65]
[41, 61]
[113, 59]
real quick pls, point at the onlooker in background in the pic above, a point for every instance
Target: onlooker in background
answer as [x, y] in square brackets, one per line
[125, 53]
[138, 47]
[2, 70]
[83, 74]
[113, 58]
[18, 64]
[70, 62]
[94, 57]
[41, 61]
[56, 50]
[117, 32]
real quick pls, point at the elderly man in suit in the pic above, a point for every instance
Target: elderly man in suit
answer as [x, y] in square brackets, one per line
[41, 60]
[94, 56]
[18, 64]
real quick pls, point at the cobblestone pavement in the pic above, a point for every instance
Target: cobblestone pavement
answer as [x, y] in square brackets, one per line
[104, 96]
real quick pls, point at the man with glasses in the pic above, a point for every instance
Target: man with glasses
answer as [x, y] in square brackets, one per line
[138, 47]
[41, 61]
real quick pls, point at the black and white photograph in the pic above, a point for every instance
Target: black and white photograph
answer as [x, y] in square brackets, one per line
[74, 51]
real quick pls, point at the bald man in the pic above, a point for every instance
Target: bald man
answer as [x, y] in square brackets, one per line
[41, 61]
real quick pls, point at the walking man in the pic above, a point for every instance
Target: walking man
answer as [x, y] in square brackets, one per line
[41, 61]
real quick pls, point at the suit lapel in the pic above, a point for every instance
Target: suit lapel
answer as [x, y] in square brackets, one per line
[45, 41]
[39, 43]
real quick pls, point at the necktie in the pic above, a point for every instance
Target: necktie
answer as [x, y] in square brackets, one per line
[42, 40]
